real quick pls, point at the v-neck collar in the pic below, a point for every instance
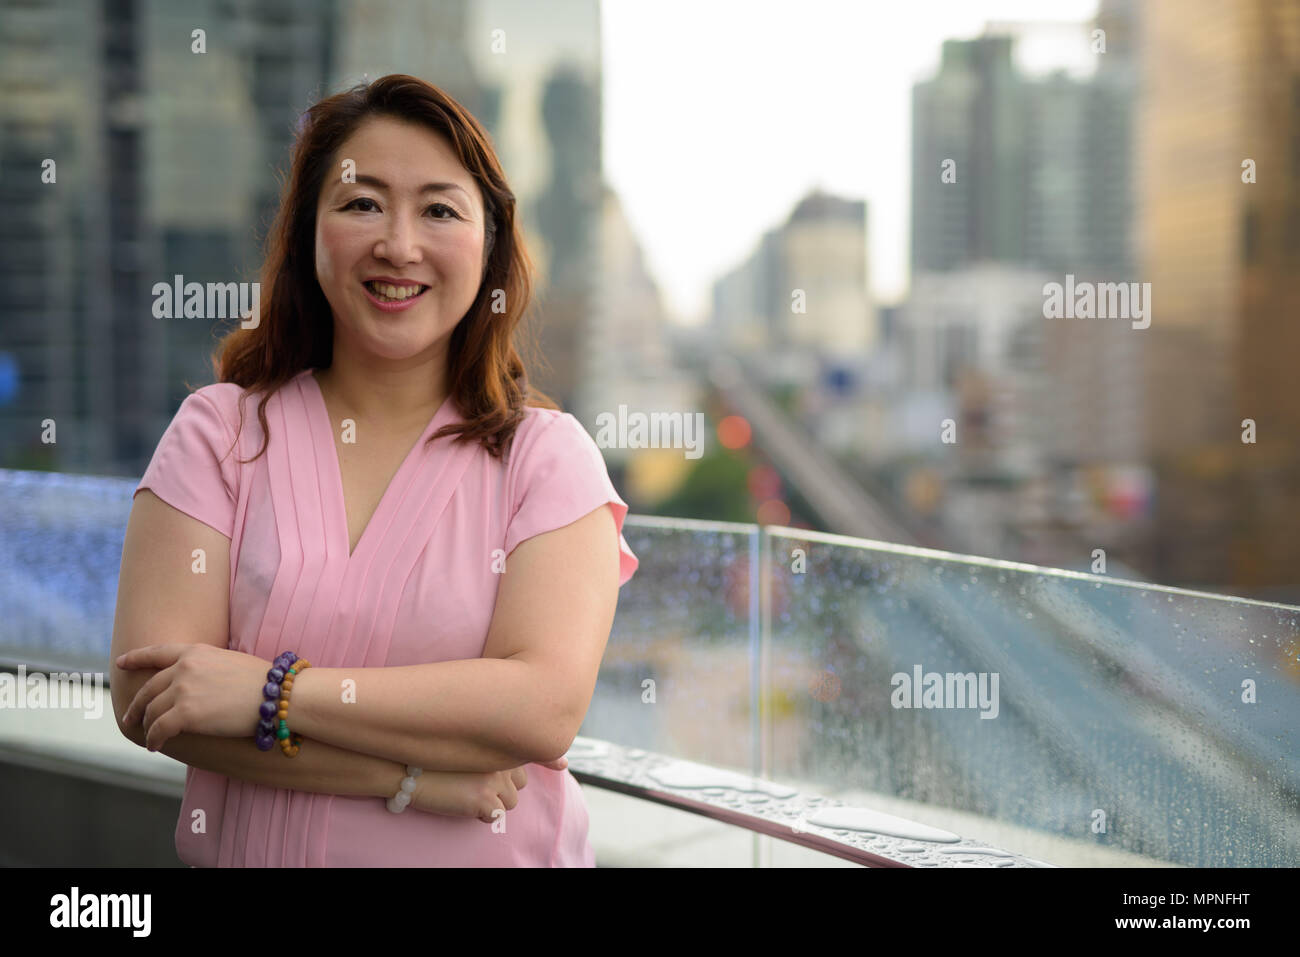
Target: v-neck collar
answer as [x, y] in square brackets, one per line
[397, 485]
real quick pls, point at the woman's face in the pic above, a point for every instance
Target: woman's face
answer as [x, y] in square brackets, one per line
[387, 224]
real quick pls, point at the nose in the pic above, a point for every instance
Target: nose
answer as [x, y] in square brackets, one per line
[400, 242]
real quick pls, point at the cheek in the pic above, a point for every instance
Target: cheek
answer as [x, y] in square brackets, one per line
[462, 256]
[333, 252]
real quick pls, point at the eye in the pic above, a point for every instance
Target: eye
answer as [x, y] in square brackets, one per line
[452, 214]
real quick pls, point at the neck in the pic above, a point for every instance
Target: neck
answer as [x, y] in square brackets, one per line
[395, 394]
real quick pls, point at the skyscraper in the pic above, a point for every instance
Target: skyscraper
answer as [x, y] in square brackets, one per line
[1220, 107]
[169, 145]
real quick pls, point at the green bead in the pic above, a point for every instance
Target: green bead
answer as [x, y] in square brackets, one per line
[282, 734]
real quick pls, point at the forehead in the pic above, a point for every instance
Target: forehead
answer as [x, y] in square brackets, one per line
[403, 154]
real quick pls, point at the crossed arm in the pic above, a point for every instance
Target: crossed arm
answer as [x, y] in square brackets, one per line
[522, 702]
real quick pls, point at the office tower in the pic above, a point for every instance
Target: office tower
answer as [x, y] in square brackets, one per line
[1220, 91]
[803, 293]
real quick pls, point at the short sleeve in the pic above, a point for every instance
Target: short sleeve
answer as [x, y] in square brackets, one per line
[193, 469]
[560, 476]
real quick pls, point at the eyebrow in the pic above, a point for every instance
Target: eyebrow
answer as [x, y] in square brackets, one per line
[365, 179]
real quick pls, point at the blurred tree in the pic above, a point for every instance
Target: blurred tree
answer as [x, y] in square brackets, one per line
[716, 489]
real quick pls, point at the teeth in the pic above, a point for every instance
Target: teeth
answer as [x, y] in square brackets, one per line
[390, 291]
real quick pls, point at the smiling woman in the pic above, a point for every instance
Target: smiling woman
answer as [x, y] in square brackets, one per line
[398, 465]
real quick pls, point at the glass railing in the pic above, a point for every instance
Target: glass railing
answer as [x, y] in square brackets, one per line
[1066, 717]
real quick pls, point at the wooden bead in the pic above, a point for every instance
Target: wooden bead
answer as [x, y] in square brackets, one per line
[291, 744]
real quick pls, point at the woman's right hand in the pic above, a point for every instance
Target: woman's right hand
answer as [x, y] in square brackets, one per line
[477, 794]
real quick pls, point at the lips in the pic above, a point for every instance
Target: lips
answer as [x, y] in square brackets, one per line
[393, 305]
[394, 291]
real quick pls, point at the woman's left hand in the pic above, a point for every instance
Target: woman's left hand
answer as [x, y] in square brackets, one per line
[200, 689]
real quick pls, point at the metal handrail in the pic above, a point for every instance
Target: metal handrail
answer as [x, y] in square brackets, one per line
[822, 824]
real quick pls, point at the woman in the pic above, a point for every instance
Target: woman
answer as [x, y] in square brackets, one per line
[365, 521]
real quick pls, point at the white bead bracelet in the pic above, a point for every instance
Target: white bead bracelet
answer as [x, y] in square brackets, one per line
[397, 803]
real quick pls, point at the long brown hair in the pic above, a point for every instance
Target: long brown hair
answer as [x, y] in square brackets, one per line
[486, 376]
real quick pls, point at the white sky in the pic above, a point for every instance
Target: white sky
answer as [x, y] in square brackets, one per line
[720, 115]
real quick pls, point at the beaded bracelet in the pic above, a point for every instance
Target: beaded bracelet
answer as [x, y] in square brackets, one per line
[398, 802]
[264, 738]
[290, 743]
[265, 735]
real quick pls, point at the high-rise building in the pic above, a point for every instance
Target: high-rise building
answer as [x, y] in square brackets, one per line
[77, 238]
[825, 253]
[1018, 182]
[161, 139]
[626, 358]
[1018, 170]
[545, 62]
[1218, 219]
[970, 159]
[804, 291]
[742, 314]
[169, 126]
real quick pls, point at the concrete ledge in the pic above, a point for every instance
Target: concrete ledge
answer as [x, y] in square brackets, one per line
[61, 814]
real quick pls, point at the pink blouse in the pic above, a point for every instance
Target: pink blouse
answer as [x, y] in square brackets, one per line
[419, 588]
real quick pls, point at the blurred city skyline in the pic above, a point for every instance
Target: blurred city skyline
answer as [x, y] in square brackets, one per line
[876, 359]
[924, 340]
[703, 175]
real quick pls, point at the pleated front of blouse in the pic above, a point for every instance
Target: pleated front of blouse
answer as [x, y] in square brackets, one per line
[419, 588]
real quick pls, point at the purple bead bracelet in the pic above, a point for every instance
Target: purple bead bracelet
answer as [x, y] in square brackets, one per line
[267, 710]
